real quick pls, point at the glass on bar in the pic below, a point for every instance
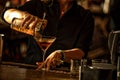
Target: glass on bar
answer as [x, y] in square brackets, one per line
[74, 67]
[44, 43]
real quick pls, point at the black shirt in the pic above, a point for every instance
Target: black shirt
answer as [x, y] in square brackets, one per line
[73, 30]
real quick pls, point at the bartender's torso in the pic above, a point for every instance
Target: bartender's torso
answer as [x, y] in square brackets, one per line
[69, 30]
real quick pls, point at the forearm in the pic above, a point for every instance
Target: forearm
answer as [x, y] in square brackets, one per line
[75, 53]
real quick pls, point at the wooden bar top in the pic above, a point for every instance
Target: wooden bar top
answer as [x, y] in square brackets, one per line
[15, 72]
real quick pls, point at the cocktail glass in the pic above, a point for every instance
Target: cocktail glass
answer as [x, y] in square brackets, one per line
[45, 42]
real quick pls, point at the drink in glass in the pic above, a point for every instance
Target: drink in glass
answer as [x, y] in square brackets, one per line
[45, 42]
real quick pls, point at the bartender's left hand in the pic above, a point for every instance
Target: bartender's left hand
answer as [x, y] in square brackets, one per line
[51, 61]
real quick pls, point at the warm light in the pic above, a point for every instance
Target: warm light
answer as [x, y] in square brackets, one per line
[10, 14]
[106, 6]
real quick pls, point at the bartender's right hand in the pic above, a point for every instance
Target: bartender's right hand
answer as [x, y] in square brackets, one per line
[30, 21]
[30, 24]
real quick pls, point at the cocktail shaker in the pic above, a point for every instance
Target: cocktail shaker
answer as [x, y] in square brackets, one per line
[16, 19]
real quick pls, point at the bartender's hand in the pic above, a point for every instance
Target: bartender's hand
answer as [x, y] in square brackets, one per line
[57, 56]
[30, 20]
[30, 23]
[53, 60]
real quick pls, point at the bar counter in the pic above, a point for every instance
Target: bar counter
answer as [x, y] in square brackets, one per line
[15, 72]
